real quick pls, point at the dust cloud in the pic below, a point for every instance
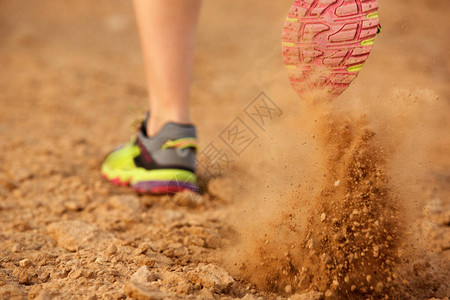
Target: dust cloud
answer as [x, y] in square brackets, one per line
[333, 199]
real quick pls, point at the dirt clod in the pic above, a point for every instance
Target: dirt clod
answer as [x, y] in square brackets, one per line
[211, 276]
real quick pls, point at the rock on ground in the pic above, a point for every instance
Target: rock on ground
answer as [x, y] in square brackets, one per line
[211, 276]
[142, 275]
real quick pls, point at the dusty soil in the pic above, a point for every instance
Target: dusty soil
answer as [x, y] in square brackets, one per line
[348, 199]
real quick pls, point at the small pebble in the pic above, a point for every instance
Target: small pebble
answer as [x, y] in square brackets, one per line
[25, 263]
[111, 249]
[379, 287]
[376, 251]
[16, 248]
[335, 283]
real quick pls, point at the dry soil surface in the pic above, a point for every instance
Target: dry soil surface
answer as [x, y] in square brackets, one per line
[340, 200]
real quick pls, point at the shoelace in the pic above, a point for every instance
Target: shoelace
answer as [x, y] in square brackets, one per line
[181, 143]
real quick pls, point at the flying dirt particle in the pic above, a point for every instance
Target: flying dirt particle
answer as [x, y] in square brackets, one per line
[288, 288]
[368, 278]
[335, 284]
[326, 259]
[310, 244]
[323, 216]
[337, 183]
[379, 287]
[376, 251]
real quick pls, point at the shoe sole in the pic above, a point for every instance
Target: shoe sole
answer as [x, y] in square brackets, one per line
[326, 42]
[153, 187]
[163, 187]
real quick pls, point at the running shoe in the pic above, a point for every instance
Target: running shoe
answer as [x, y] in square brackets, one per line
[162, 164]
[326, 42]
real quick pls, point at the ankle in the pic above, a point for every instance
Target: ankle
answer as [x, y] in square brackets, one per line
[155, 124]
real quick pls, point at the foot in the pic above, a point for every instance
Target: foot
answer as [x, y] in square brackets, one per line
[326, 42]
[164, 163]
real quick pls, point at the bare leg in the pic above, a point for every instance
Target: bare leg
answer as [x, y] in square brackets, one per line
[168, 30]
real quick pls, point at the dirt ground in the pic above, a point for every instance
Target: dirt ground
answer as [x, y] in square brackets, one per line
[341, 200]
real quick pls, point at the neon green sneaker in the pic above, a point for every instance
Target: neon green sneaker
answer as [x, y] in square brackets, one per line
[161, 164]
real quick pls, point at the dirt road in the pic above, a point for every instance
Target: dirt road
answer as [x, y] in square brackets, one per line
[71, 87]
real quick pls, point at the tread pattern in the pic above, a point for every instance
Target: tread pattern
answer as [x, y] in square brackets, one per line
[326, 42]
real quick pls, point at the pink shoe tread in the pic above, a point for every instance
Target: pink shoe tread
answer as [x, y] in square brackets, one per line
[326, 42]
